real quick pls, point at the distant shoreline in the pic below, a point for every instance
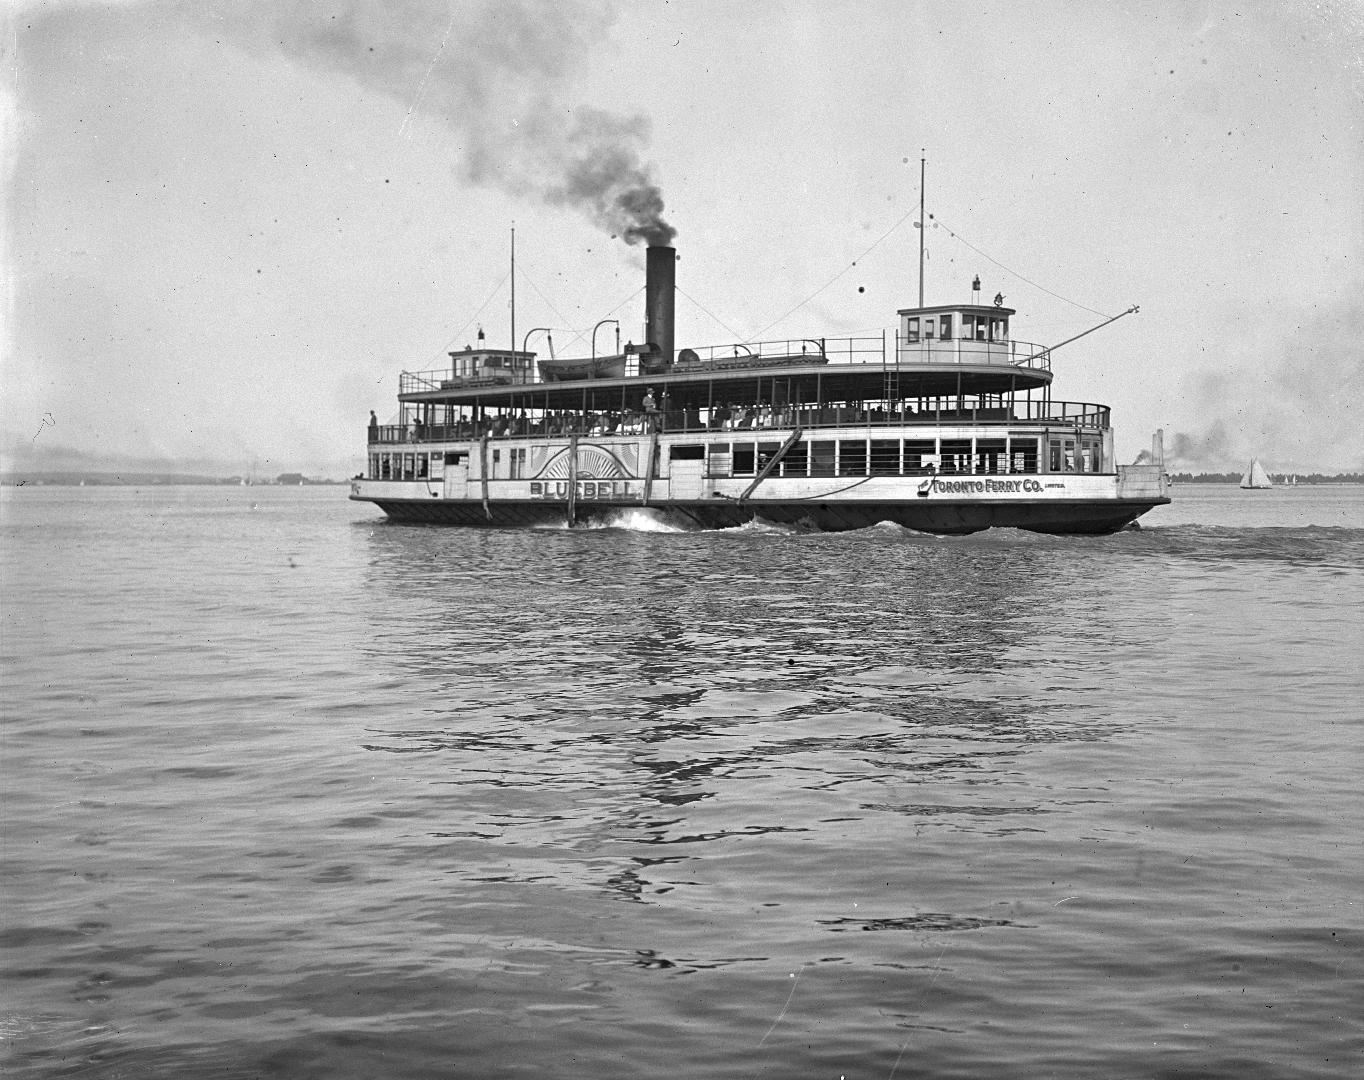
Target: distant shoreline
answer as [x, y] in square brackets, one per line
[1280, 479]
[155, 479]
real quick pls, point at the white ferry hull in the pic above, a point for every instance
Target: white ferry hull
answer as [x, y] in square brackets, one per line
[945, 504]
[943, 519]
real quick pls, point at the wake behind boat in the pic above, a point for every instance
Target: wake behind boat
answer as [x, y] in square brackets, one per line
[946, 424]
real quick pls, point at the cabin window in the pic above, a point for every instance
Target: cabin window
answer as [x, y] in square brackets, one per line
[456, 457]
[968, 323]
[921, 455]
[822, 458]
[946, 327]
[422, 464]
[743, 459]
[385, 466]
[928, 329]
[796, 461]
[517, 457]
[688, 452]
[982, 328]
[956, 456]
[912, 330]
[766, 452]
[885, 457]
[1061, 456]
[719, 462]
[991, 456]
[1023, 455]
[852, 457]
[374, 466]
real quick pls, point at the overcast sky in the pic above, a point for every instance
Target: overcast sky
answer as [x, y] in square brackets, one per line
[229, 225]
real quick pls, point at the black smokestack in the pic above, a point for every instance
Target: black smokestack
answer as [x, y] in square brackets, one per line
[660, 281]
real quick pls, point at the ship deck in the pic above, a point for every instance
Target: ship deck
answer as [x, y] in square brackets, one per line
[827, 371]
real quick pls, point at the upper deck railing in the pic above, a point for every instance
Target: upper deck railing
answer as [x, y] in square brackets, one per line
[1079, 415]
[791, 352]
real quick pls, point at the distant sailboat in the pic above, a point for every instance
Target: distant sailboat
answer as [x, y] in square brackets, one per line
[1256, 477]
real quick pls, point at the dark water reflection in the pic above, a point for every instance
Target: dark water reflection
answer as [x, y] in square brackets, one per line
[610, 695]
[335, 799]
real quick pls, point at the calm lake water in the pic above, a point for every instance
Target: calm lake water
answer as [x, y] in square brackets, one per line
[292, 792]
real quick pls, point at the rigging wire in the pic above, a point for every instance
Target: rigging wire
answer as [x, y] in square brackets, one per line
[958, 236]
[729, 329]
[932, 219]
[461, 331]
[550, 303]
[580, 335]
[838, 275]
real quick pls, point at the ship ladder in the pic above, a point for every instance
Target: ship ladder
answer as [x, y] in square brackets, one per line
[649, 468]
[772, 463]
[892, 388]
[483, 472]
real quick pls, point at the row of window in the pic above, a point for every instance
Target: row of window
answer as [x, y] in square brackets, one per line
[973, 328]
[819, 457]
[875, 457]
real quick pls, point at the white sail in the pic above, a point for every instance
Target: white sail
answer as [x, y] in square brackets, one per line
[1256, 477]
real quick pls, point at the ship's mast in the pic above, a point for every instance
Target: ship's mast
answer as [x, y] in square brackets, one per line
[922, 227]
[513, 294]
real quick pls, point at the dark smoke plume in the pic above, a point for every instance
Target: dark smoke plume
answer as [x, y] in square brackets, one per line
[497, 72]
[1293, 401]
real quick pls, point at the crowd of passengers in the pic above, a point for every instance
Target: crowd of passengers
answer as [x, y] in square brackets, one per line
[725, 417]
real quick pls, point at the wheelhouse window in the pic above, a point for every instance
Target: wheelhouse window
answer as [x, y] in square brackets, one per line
[946, 327]
[912, 330]
[929, 326]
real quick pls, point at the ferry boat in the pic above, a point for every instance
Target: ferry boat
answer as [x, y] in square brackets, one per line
[947, 425]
